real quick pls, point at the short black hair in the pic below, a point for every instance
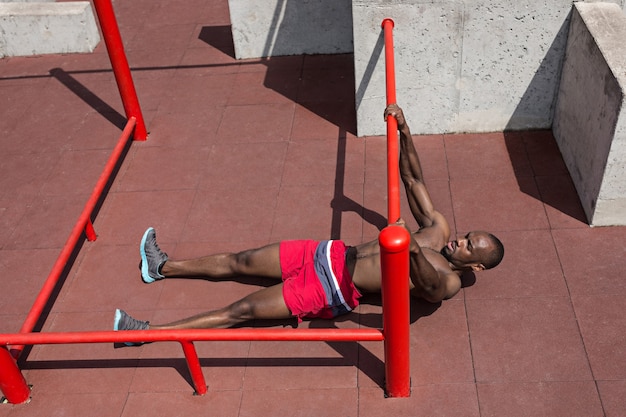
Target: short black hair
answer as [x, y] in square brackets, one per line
[495, 256]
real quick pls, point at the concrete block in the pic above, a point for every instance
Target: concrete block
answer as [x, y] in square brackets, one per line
[264, 28]
[590, 117]
[463, 66]
[46, 28]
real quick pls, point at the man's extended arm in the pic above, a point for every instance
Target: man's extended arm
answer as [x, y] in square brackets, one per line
[411, 172]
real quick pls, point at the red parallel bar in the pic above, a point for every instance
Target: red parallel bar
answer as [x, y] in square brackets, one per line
[117, 56]
[16, 390]
[82, 225]
[12, 382]
[394, 263]
[394, 252]
[195, 369]
[240, 334]
[393, 176]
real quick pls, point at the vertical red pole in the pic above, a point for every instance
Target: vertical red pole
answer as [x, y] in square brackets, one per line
[394, 263]
[12, 382]
[394, 253]
[194, 367]
[117, 56]
[393, 176]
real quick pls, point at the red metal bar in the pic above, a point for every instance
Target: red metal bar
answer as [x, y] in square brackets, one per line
[83, 224]
[255, 334]
[195, 369]
[15, 389]
[117, 56]
[393, 176]
[394, 252]
[12, 382]
[394, 263]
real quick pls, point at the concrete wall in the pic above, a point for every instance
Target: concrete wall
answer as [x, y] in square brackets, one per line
[462, 66]
[263, 28]
[590, 117]
[33, 28]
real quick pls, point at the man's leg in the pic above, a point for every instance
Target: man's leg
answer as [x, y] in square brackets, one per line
[261, 262]
[265, 304]
[155, 264]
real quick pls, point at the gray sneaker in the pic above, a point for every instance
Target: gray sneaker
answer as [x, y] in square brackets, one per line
[152, 257]
[123, 321]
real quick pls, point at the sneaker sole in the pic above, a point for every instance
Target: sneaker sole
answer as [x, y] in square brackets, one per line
[145, 273]
[116, 327]
[116, 321]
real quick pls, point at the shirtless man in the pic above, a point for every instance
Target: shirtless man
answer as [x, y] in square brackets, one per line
[325, 279]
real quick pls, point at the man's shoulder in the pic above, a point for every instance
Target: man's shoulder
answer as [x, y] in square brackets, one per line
[434, 237]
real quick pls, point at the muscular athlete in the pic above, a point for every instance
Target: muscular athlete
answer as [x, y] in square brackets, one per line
[436, 262]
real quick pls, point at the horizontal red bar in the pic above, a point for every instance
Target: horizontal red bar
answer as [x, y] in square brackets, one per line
[330, 335]
[79, 228]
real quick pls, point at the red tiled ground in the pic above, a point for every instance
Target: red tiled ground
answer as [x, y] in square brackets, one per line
[242, 153]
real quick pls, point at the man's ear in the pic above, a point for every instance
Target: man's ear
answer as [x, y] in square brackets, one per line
[478, 267]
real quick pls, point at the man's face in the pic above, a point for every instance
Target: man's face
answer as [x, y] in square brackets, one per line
[471, 249]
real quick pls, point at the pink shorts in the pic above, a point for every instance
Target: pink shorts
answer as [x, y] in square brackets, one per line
[316, 280]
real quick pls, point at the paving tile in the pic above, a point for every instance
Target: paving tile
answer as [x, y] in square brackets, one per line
[231, 217]
[189, 93]
[155, 168]
[11, 212]
[327, 84]
[603, 327]
[502, 205]
[183, 404]
[21, 174]
[98, 130]
[486, 155]
[276, 85]
[543, 153]
[559, 398]
[561, 202]
[332, 369]
[114, 268]
[56, 215]
[313, 62]
[613, 395]
[208, 58]
[330, 161]
[440, 347]
[195, 127]
[28, 270]
[126, 216]
[256, 123]
[526, 339]
[599, 268]
[310, 402]
[217, 37]
[321, 120]
[64, 179]
[429, 400]
[517, 276]
[243, 166]
[49, 404]
[299, 216]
